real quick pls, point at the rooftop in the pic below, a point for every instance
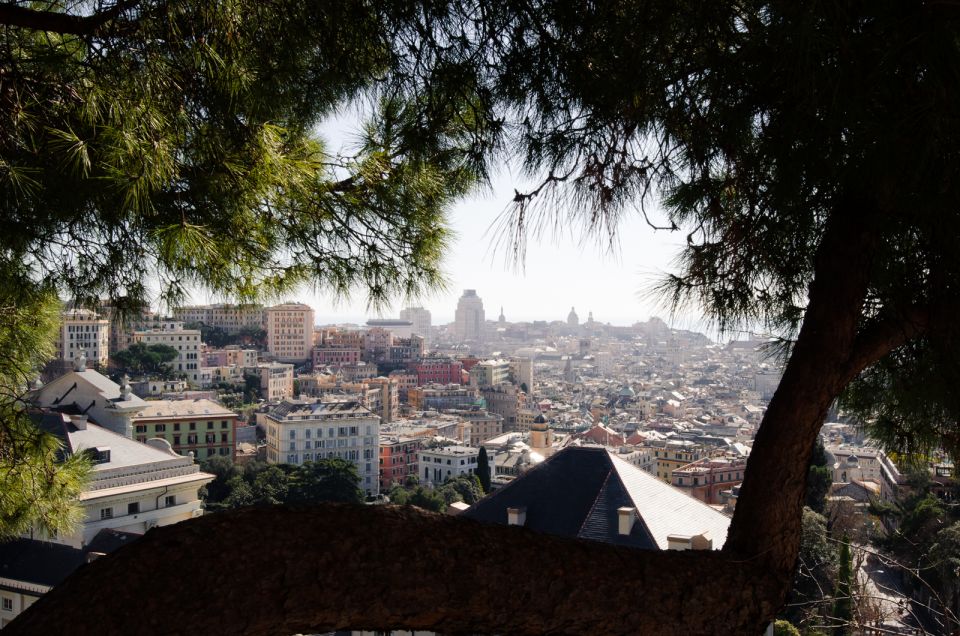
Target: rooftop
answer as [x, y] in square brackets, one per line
[183, 408]
[578, 491]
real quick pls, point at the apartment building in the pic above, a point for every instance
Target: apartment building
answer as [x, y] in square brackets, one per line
[490, 373]
[230, 318]
[133, 486]
[299, 431]
[276, 380]
[706, 478]
[202, 427]
[398, 458]
[185, 341]
[441, 397]
[438, 371]
[436, 465]
[82, 330]
[290, 332]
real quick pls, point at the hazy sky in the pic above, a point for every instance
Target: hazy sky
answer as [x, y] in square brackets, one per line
[559, 271]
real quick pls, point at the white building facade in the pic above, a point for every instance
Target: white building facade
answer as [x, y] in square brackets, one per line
[300, 431]
[133, 486]
[185, 341]
[436, 465]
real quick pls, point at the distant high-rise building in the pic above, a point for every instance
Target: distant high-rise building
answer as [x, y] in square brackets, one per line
[502, 319]
[468, 326]
[420, 318]
[572, 319]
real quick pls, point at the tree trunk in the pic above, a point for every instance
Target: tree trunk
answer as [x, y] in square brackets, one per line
[285, 570]
[767, 524]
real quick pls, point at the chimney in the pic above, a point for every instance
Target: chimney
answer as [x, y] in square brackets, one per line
[517, 516]
[626, 516]
[79, 422]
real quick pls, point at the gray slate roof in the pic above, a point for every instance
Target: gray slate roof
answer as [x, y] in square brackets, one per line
[576, 493]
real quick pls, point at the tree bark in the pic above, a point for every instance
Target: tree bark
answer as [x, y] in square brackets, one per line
[767, 524]
[285, 570]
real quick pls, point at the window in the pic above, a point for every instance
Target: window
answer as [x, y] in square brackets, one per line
[293, 446]
[176, 440]
[176, 427]
[193, 426]
[224, 450]
[224, 438]
[7, 604]
[293, 434]
[307, 433]
[160, 428]
[211, 451]
[133, 508]
[141, 428]
[209, 425]
[224, 424]
[106, 513]
[192, 438]
[169, 501]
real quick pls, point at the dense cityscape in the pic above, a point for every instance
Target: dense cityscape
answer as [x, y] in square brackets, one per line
[638, 433]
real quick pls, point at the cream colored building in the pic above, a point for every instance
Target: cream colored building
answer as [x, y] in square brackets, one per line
[490, 373]
[185, 341]
[82, 330]
[276, 380]
[133, 486]
[230, 318]
[290, 332]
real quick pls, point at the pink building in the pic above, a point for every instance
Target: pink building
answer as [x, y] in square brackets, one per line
[335, 357]
[230, 357]
[438, 372]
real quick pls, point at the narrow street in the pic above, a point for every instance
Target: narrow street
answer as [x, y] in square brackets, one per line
[881, 593]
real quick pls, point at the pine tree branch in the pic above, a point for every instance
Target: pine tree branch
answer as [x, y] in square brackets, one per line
[63, 23]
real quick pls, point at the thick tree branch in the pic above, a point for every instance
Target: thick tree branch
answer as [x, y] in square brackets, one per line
[885, 335]
[64, 23]
[285, 570]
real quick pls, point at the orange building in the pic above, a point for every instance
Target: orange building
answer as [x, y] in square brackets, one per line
[398, 458]
[707, 477]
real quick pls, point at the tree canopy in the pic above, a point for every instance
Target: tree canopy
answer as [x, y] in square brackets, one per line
[141, 358]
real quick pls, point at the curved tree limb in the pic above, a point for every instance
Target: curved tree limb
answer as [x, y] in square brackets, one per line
[63, 23]
[285, 570]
